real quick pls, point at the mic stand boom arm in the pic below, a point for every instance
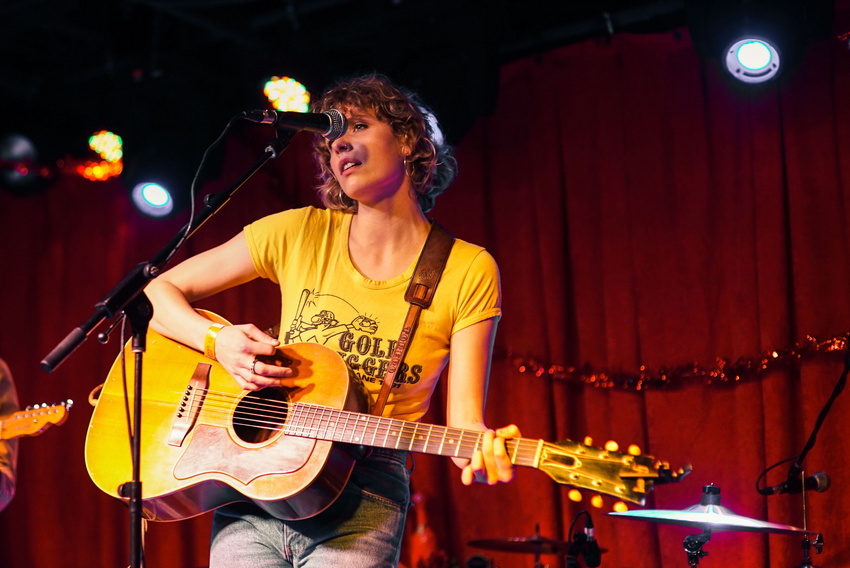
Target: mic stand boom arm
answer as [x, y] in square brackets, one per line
[129, 297]
[133, 284]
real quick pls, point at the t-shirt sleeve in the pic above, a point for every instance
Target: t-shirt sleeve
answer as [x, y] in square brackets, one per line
[269, 239]
[480, 294]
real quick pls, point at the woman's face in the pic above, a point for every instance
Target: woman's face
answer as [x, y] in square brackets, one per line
[368, 160]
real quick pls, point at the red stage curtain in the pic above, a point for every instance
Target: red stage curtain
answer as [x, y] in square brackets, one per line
[642, 213]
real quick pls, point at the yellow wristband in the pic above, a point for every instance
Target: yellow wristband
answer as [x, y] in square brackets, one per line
[209, 340]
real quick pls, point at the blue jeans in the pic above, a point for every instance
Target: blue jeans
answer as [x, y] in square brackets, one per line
[363, 528]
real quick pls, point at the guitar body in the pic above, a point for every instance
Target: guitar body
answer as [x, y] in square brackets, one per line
[194, 459]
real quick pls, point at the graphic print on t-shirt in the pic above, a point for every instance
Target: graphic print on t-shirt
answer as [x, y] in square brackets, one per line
[332, 321]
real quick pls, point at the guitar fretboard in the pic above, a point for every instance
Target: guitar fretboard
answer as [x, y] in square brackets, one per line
[326, 423]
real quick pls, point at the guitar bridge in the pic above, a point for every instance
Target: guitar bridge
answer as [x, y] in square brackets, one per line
[190, 405]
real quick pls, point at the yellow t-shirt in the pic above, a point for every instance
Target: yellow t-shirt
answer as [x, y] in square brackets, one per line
[324, 299]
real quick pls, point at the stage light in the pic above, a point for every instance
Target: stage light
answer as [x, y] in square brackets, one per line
[753, 54]
[287, 94]
[21, 172]
[110, 148]
[158, 181]
[159, 163]
[753, 60]
[152, 199]
[757, 42]
[99, 171]
[108, 145]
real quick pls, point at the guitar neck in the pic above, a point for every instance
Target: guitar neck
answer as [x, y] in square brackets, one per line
[33, 420]
[325, 423]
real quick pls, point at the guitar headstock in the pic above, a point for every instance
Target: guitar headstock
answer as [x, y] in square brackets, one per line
[626, 476]
[34, 420]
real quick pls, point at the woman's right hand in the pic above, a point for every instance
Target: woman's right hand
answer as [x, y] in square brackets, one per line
[236, 347]
[248, 354]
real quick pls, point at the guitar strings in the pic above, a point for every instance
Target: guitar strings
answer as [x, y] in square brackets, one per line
[320, 422]
[332, 424]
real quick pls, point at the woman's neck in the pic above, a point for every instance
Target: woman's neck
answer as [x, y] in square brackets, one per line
[382, 245]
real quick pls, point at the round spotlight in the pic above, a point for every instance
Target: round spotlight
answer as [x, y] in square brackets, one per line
[754, 55]
[21, 172]
[152, 199]
[752, 60]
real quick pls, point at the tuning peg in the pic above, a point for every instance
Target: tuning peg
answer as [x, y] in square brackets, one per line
[620, 507]
[596, 501]
[665, 475]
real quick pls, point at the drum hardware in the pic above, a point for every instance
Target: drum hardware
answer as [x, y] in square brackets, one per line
[534, 544]
[710, 515]
[817, 543]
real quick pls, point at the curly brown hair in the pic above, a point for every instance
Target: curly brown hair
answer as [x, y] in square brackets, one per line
[431, 165]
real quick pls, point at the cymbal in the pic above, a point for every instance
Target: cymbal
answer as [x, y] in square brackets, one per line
[527, 544]
[715, 517]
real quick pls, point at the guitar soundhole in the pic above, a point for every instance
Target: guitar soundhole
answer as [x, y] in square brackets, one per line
[260, 415]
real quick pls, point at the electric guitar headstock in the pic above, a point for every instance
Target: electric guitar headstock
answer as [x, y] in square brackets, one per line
[33, 420]
[626, 476]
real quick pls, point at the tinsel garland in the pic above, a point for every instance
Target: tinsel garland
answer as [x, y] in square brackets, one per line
[722, 372]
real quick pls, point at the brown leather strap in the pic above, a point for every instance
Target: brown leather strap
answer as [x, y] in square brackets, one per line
[420, 293]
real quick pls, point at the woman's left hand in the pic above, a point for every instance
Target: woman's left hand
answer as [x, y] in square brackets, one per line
[491, 464]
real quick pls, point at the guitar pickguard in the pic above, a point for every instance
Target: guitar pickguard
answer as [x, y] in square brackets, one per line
[212, 449]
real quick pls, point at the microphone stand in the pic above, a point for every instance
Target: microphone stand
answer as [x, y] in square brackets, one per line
[129, 297]
[796, 469]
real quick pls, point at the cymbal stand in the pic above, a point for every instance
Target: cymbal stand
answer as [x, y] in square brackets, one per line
[693, 543]
[693, 546]
[817, 543]
[537, 563]
[807, 544]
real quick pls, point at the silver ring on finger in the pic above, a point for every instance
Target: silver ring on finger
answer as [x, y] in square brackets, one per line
[254, 362]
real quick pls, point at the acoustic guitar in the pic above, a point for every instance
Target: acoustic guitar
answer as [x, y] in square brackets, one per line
[206, 443]
[33, 420]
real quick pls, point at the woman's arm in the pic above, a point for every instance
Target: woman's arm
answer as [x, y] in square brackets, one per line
[198, 277]
[469, 372]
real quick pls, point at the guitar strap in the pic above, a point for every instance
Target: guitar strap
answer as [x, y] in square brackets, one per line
[420, 292]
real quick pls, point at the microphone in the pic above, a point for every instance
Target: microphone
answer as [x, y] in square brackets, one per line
[592, 556]
[818, 481]
[331, 124]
